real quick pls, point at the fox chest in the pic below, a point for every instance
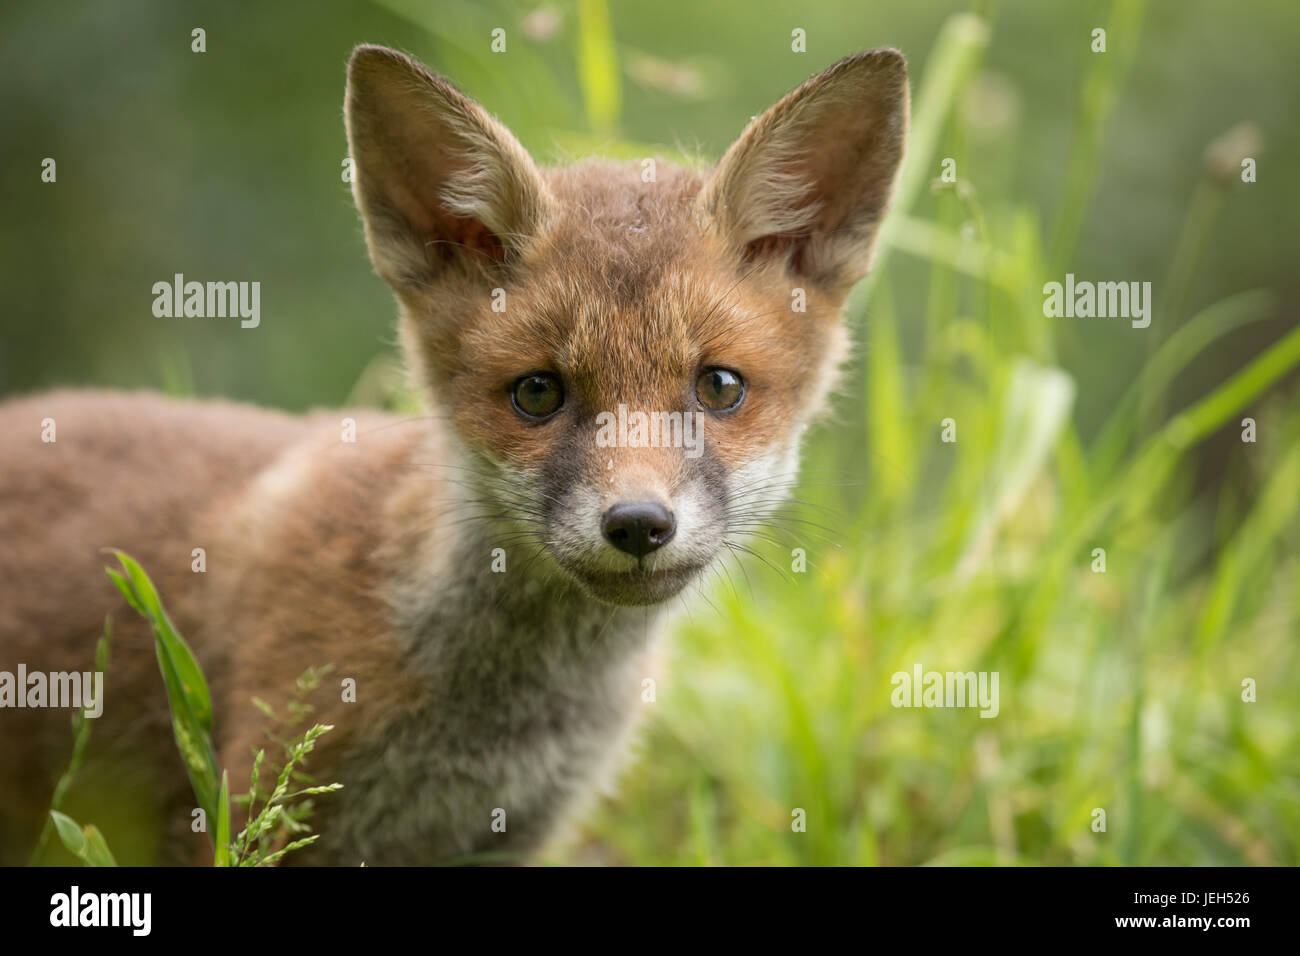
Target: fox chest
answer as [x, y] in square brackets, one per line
[486, 779]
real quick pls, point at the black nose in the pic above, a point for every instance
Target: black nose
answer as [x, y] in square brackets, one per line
[638, 527]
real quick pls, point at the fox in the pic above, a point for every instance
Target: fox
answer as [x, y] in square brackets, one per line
[489, 576]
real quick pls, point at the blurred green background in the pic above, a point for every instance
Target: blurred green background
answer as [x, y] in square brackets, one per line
[1120, 690]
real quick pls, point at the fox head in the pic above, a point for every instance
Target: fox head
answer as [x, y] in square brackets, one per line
[627, 361]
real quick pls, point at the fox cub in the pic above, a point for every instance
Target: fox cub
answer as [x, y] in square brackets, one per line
[618, 376]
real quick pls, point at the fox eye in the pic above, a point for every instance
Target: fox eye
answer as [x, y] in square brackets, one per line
[539, 395]
[720, 389]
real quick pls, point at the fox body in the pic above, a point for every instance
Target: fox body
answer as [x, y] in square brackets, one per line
[490, 576]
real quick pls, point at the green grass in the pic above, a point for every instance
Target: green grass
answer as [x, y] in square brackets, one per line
[276, 820]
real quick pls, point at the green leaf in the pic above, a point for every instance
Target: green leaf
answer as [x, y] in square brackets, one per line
[81, 736]
[1242, 388]
[179, 656]
[187, 688]
[1190, 340]
[95, 850]
[182, 660]
[127, 591]
[87, 844]
[222, 857]
[69, 832]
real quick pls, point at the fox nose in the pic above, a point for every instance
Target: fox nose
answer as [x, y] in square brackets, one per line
[638, 527]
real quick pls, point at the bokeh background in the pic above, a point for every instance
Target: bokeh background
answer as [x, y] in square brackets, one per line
[1121, 689]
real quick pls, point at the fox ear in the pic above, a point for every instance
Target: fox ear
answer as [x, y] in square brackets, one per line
[439, 183]
[809, 181]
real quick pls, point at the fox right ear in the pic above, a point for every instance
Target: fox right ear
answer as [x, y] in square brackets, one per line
[439, 183]
[808, 182]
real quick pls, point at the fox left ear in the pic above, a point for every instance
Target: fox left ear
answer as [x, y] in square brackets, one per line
[809, 181]
[444, 189]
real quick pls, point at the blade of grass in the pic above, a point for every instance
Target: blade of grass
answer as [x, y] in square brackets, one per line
[222, 854]
[1096, 102]
[952, 62]
[81, 737]
[187, 689]
[1190, 340]
[598, 74]
[86, 843]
